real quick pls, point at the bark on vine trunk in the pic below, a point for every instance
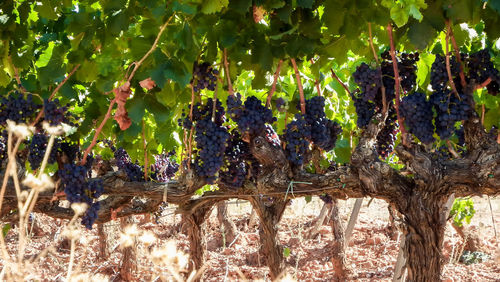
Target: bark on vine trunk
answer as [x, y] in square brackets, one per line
[129, 259]
[424, 232]
[271, 251]
[227, 226]
[337, 251]
[195, 229]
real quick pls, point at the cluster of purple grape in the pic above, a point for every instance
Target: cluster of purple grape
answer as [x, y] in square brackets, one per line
[417, 114]
[481, 68]
[56, 114]
[237, 158]
[211, 141]
[364, 110]
[369, 80]
[203, 112]
[408, 70]
[324, 131]
[439, 74]
[37, 148]
[133, 170]
[387, 136]
[449, 109]
[164, 167]
[204, 76]
[17, 108]
[250, 116]
[79, 189]
[297, 135]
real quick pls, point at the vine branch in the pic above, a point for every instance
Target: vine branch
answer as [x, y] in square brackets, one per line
[155, 44]
[97, 132]
[146, 161]
[397, 86]
[457, 53]
[382, 87]
[273, 87]
[448, 68]
[299, 84]
[340, 81]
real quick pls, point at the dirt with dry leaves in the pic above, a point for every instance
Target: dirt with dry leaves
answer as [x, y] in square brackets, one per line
[161, 247]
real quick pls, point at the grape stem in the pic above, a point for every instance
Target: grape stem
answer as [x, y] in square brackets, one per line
[397, 86]
[448, 68]
[155, 44]
[340, 81]
[457, 53]
[382, 87]
[273, 87]
[144, 142]
[97, 132]
[299, 84]
[370, 40]
[484, 84]
[228, 76]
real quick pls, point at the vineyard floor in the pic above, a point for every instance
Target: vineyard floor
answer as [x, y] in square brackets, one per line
[371, 253]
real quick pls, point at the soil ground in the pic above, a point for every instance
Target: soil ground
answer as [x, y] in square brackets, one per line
[161, 247]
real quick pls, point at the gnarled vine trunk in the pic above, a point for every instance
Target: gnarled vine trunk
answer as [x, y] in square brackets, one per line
[337, 251]
[270, 215]
[195, 230]
[424, 232]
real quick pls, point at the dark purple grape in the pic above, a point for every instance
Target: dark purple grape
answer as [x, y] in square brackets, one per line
[18, 108]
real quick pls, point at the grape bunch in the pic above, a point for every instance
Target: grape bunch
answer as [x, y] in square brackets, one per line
[56, 114]
[17, 108]
[324, 131]
[3, 148]
[204, 76]
[369, 80]
[133, 170]
[37, 148]
[408, 70]
[417, 114]
[164, 167]
[365, 110]
[449, 109]
[203, 112]
[211, 140]
[296, 136]
[481, 68]
[79, 189]
[250, 116]
[439, 74]
[237, 158]
[387, 136]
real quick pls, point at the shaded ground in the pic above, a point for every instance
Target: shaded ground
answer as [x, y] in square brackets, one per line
[371, 253]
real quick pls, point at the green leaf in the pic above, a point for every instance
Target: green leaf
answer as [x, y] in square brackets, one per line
[333, 17]
[5, 229]
[183, 7]
[44, 58]
[421, 34]
[240, 6]
[286, 252]
[136, 108]
[399, 16]
[213, 6]
[47, 9]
